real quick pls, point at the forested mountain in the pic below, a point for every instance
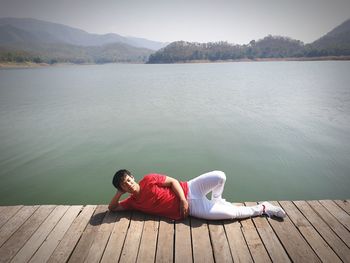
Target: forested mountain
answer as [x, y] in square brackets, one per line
[64, 53]
[274, 47]
[269, 47]
[335, 43]
[39, 41]
[47, 32]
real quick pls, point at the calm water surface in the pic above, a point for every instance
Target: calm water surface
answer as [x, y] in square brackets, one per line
[280, 130]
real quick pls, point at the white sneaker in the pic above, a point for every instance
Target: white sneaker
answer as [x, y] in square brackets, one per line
[272, 210]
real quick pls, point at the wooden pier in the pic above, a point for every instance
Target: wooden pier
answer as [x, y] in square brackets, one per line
[313, 231]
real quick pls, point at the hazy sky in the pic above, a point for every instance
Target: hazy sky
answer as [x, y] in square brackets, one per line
[197, 20]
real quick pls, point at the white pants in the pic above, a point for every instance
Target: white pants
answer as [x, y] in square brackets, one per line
[216, 208]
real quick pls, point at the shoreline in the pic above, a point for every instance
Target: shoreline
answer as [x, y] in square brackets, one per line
[22, 65]
[328, 58]
[4, 65]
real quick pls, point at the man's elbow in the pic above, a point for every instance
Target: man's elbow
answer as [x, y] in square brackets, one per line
[112, 208]
[115, 208]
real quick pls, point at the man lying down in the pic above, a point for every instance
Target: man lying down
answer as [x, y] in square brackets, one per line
[165, 196]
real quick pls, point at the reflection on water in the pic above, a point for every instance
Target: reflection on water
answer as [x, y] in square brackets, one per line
[280, 130]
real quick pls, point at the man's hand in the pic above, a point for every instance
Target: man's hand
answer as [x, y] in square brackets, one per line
[120, 192]
[179, 192]
[184, 208]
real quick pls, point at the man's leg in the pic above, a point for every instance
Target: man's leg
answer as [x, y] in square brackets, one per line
[209, 182]
[236, 212]
[218, 210]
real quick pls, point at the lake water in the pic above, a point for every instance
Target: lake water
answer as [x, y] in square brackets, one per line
[280, 130]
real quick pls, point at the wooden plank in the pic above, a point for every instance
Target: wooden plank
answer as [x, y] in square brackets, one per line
[34, 236]
[15, 222]
[7, 212]
[293, 242]
[71, 237]
[165, 245]
[269, 238]
[101, 238]
[238, 246]
[82, 249]
[27, 251]
[330, 237]
[322, 249]
[337, 212]
[183, 245]
[344, 204]
[148, 245]
[221, 248]
[255, 245]
[202, 249]
[20, 237]
[116, 240]
[331, 221]
[133, 238]
[52, 240]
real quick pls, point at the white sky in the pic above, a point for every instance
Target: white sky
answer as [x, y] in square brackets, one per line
[191, 20]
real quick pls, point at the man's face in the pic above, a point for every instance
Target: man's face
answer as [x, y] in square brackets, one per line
[129, 185]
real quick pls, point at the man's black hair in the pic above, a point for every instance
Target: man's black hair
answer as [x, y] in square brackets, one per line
[119, 177]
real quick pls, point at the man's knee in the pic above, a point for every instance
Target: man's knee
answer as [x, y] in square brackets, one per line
[221, 176]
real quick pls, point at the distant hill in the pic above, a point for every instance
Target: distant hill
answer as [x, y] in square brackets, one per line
[10, 35]
[48, 32]
[274, 47]
[268, 47]
[182, 51]
[65, 53]
[26, 39]
[335, 43]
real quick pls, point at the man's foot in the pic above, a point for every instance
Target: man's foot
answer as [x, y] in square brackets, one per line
[272, 210]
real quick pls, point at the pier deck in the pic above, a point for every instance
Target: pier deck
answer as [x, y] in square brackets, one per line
[313, 231]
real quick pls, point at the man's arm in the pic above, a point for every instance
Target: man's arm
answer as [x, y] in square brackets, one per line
[179, 192]
[114, 204]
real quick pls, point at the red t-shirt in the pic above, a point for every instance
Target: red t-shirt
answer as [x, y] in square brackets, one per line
[155, 198]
